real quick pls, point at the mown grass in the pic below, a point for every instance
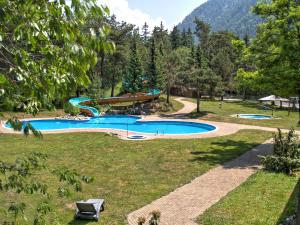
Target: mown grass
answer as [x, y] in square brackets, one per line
[265, 199]
[210, 110]
[127, 174]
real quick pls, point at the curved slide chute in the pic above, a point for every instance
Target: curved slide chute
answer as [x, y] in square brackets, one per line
[83, 103]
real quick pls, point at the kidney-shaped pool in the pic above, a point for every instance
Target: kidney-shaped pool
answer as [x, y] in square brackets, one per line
[126, 123]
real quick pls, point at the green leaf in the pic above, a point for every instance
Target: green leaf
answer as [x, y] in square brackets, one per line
[3, 79]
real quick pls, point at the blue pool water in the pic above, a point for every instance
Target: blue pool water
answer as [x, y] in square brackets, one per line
[129, 123]
[254, 116]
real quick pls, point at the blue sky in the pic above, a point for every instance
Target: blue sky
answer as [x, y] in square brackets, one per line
[152, 11]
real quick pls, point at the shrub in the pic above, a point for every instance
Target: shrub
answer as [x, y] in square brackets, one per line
[141, 220]
[286, 155]
[155, 217]
[70, 109]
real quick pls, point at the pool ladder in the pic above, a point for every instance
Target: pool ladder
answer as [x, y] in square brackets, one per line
[158, 132]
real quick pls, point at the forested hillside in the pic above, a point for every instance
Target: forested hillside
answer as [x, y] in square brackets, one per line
[231, 15]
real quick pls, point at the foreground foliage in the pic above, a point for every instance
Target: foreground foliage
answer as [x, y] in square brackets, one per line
[21, 177]
[286, 154]
[45, 52]
[276, 49]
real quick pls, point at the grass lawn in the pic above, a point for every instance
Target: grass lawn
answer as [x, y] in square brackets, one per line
[265, 199]
[127, 174]
[210, 110]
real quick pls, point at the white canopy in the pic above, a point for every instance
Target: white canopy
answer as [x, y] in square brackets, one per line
[273, 98]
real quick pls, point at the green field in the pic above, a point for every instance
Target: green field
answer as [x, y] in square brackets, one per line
[127, 174]
[265, 199]
[210, 110]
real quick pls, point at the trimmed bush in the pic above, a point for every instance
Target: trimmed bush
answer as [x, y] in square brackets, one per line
[286, 155]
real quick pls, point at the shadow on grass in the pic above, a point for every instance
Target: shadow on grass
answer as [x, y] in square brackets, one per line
[225, 151]
[81, 222]
[195, 115]
[291, 205]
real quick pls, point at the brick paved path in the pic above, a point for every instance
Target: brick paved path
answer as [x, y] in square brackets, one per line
[185, 204]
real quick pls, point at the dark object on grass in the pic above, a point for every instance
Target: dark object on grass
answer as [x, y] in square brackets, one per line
[90, 209]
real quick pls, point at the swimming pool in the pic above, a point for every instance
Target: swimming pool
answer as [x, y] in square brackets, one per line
[130, 123]
[254, 116]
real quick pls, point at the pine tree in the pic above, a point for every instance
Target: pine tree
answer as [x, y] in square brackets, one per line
[154, 75]
[175, 38]
[247, 40]
[202, 32]
[134, 77]
[184, 38]
[145, 33]
[189, 38]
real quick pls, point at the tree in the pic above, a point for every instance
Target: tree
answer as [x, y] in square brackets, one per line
[189, 38]
[198, 68]
[202, 32]
[223, 67]
[184, 38]
[175, 38]
[47, 49]
[245, 81]
[43, 52]
[276, 48]
[153, 73]
[118, 61]
[171, 66]
[146, 33]
[134, 77]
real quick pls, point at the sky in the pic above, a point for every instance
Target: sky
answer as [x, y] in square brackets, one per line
[170, 12]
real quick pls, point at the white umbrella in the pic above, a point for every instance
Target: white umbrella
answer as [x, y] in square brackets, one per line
[273, 98]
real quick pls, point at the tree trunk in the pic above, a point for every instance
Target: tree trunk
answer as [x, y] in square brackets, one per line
[168, 90]
[113, 84]
[298, 210]
[102, 58]
[198, 97]
[77, 93]
[112, 94]
[211, 93]
[299, 105]
[244, 94]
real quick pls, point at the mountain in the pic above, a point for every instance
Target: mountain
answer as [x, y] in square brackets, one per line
[231, 15]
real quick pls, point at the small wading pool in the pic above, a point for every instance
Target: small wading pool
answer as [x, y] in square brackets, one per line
[125, 123]
[253, 116]
[137, 137]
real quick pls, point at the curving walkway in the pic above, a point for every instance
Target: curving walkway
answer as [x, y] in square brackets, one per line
[188, 107]
[185, 204]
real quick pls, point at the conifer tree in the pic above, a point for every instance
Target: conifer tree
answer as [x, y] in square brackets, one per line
[154, 75]
[175, 38]
[184, 38]
[145, 33]
[189, 38]
[133, 79]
